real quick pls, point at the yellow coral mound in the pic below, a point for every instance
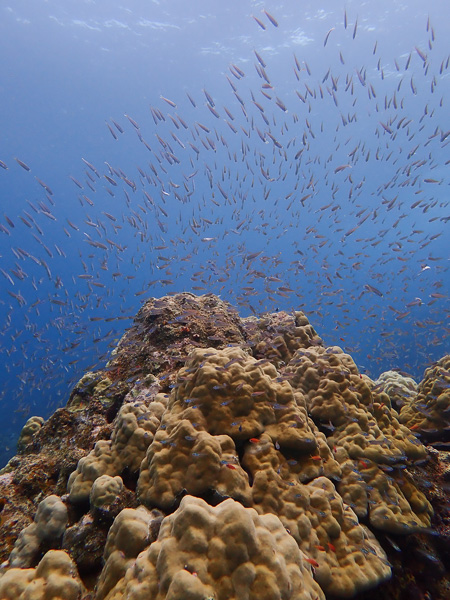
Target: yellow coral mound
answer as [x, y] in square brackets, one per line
[226, 552]
[229, 392]
[369, 443]
[134, 428]
[283, 471]
[55, 578]
[429, 413]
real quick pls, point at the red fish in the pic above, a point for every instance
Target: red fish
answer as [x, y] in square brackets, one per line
[312, 562]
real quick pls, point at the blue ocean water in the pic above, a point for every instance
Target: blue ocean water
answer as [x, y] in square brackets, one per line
[284, 155]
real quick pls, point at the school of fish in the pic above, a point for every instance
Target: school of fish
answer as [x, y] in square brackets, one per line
[355, 235]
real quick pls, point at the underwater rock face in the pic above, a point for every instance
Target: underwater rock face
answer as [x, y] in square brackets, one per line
[219, 457]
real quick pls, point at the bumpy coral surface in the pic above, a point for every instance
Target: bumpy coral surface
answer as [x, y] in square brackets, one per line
[30, 428]
[226, 552]
[369, 443]
[229, 392]
[217, 458]
[55, 578]
[429, 413]
[134, 428]
[186, 460]
[49, 524]
[132, 531]
[347, 557]
[400, 388]
[279, 335]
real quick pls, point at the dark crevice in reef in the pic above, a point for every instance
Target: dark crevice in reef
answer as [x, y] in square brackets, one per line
[240, 451]
[130, 479]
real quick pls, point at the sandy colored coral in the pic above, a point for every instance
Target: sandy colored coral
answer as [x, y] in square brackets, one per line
[49, 524]
[30, 428]
[325, 528]
[370, 444]
[308, 451]
[133, 431]
[277, 336]
[105, 490]
[184, 460]
[229, 392]
[400, 389]
[55, 578]
[132, 531]
[226, 552]
[429, 413]
[224, 391]
[98, 462]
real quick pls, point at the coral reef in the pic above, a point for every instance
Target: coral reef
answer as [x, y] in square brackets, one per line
[219, 457]
[131, 533]
[135, 425]
[30, 428]
[55, 578]
[370, 444]
[226, 552]
[400, 388]
[49, 524]
[429, 412]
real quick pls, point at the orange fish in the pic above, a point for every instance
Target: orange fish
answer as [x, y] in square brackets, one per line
[312, 562]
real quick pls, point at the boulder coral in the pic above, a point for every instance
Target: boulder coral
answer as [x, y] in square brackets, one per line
[400, 388]
[49, 525]
[132, 532]
[369, 443]
[429, 412]
[134, 428]
[54, 578]
[226, 552]
[31, 427]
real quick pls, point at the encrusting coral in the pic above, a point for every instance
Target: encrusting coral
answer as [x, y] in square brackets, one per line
[232, 458]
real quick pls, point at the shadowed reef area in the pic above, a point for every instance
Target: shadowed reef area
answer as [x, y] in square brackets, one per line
[228, 458]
